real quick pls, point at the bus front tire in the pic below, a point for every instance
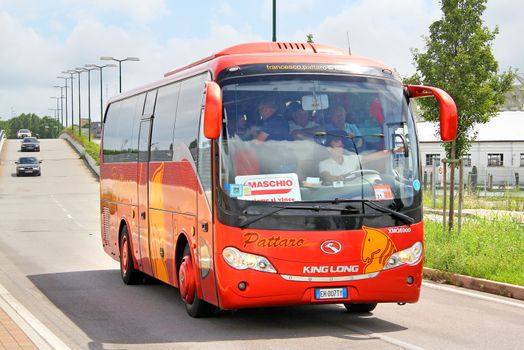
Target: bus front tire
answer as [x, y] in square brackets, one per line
[360, 308]
[195, 306]
[129, 274]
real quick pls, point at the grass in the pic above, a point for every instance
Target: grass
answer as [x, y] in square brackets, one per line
[492, 249]
[91, 148]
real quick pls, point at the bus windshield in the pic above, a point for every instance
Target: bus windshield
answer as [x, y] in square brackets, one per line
[307, 138]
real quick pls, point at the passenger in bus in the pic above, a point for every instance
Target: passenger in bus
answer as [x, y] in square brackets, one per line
[338, 165]
[337, 123]
[341, 162]
[274, 126]
[241, 127]
[300, 126]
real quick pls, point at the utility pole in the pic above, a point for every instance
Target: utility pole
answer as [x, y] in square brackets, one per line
[274, 20]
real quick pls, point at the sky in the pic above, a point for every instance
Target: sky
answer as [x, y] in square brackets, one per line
[39, 39]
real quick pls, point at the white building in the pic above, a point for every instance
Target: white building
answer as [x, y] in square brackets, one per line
[498, 150]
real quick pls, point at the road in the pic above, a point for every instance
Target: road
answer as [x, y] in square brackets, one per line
[53, 265]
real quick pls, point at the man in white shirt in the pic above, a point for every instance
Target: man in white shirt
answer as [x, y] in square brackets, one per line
[338, 165]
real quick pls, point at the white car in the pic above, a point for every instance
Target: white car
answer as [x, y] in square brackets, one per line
[23, 133]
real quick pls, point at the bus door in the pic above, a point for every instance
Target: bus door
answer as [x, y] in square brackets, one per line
[143, 198]
[205, 227]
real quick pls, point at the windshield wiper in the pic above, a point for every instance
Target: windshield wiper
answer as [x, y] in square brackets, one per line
[407, 219]
[292, 207]
[372, 204]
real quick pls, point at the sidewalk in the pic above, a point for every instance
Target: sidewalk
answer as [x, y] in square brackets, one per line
[19, 329]
[11, 335]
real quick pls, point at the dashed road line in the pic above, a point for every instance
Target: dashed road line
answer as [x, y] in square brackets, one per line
[69, 216]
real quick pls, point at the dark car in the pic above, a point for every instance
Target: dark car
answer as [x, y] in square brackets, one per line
[28, 166]
[30, 144]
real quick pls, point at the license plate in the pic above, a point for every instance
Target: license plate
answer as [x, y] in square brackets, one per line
[331, 293]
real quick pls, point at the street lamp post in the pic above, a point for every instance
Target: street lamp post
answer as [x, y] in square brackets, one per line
[79, 71]
[88, 70]
[109, 58]
[57, 109]
[65, 79]
[61, 103]
[72, 103]
[101, 98]
[274, 20]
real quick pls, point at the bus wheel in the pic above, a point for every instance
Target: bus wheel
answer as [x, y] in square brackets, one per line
[129, 274]
[195, 307]
[360, 308]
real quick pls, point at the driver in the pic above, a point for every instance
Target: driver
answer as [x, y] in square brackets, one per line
[338, 165]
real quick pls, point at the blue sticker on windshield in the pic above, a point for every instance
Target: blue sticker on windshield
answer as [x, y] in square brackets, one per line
[236, 190]
[416, 185]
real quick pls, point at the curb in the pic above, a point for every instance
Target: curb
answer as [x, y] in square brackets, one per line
[479, 284]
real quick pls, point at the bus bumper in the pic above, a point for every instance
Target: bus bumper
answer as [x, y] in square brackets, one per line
[401, 284]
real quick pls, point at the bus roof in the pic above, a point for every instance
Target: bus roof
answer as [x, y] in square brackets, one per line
[261, 53]
[270, 52]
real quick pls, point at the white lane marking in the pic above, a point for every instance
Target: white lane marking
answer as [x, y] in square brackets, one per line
[385, 338]
[470, 294]
[44, 338]
[69, 216]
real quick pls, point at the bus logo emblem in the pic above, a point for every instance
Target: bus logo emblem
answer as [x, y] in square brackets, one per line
[331, 247]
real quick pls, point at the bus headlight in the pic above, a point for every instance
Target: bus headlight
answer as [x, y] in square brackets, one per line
[242, 261]
[409, 256]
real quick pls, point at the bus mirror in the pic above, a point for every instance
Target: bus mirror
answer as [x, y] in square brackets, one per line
[213, 111]
[448, 109]
[315, 102]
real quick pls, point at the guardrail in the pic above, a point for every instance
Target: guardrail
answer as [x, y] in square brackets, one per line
[91, 163]
[2, 138]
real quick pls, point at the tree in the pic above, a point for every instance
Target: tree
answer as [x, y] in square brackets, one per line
[458, 59]
[46, 127]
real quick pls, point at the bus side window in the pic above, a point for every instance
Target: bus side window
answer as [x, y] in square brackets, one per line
[164, 122]
[187, 116]
[111, 144]
[149, 105]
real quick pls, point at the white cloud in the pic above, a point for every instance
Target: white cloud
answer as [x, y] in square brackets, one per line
[140, 10]
[507, 46]
[288, 6]
[27, 61]
[30, 63]
[31, 59]
[382, 29]
[186, 50]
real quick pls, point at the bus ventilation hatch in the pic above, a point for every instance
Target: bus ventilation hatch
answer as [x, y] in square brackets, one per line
[293, 46]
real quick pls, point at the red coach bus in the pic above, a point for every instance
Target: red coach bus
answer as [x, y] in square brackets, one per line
[269, 174]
